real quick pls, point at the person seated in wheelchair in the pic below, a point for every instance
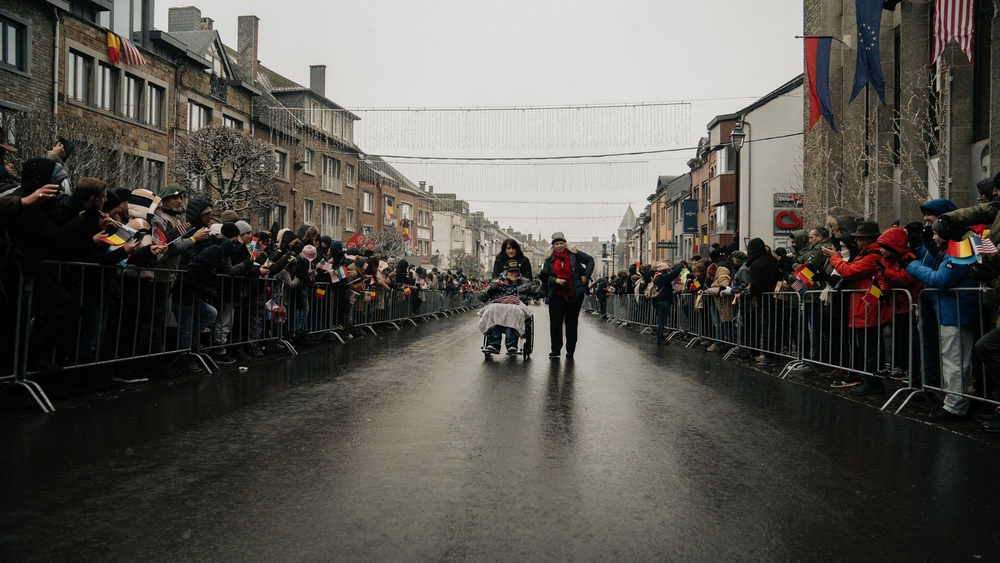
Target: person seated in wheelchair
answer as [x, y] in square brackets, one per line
[504, 316]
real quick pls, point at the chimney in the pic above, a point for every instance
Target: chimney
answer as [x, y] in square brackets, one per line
[207, 24]
[187, 18]
[317, 79]
[146, 24]
[423, 186]
[430, 189]
[246, 44]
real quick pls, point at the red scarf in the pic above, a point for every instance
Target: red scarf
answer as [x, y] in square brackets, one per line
[561, 269]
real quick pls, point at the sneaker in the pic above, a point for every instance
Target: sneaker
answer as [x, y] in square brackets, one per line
[492, 350]
[869, 385]
[992, 426]
[715, 347]
[802, 368]
[512, 350]
[554, 355]
[758, 359]
[898, 375]
[767, 362]
[192, 367]
[942, 415]
[850, 381]
[223, 359]
[988, 416]
[883, 373]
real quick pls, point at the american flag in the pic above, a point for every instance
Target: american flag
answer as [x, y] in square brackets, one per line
[982, 245]
[130, 55]
[798, 286]
[953, 19]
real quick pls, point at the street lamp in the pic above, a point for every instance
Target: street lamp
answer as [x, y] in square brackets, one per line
[737, 138]
[614, 257]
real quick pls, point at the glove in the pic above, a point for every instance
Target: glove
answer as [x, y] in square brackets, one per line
[928, 235]
[905, 259]
[880, 266]
[980, 273]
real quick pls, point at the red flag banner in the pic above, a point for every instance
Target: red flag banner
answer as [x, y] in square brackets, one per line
[953, 19]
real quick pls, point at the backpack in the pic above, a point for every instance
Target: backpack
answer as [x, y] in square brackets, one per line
[651, 292]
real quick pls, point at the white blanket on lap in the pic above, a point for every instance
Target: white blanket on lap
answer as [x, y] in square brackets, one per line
[503, 314]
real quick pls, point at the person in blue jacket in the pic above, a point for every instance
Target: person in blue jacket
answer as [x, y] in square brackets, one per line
[955, 301]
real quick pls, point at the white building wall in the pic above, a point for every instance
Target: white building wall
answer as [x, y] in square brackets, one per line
[770, 163]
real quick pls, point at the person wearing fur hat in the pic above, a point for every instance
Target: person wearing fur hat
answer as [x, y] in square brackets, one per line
[565, 273]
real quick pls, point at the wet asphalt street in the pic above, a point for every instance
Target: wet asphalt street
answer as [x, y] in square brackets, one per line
[408, 446]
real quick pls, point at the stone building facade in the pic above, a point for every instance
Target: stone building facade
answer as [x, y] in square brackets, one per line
[932, 136]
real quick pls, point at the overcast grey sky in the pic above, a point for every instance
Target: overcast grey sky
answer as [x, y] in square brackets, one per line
[719, 55]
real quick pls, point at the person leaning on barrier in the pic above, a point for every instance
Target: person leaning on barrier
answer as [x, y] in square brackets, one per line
[663, 277]
[723, 306]
[866, 321]
[762, 270]
[958, 315]
[953, 224]
[894, 245]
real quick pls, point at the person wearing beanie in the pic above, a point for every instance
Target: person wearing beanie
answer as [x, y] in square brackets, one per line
[985, 189]
[565, 274]
[230, 231]
[244, 227]
[229, 216]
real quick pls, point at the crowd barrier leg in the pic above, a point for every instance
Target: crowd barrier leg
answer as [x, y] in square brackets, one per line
[22, 341]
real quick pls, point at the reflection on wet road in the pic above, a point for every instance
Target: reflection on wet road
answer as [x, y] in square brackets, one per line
[411, 446]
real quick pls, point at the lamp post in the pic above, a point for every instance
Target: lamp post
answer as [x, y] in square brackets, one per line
[614, 257]
[737, 138]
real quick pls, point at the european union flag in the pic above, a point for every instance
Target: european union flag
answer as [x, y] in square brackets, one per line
[869, 65]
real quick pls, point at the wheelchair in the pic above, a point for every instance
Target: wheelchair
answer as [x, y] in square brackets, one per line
[526, 341]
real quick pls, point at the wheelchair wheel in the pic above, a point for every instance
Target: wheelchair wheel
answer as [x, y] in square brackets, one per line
[529, 337]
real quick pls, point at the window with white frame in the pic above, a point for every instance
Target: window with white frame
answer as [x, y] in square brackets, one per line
[198, 116]
[349, 173]
[424, 247]
[231, 122]
[153, 105]
[132, 97]
[79, 68]
[307, 211]
[423, 218]
[331, 175]
[14, 46]
[330, 221]
[281, 164]
[405, 211]
[368, 203]
[315, 112]
[107, 87]
[307, 161]
[349, 219]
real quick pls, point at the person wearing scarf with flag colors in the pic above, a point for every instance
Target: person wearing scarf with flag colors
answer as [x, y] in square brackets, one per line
[565, 273]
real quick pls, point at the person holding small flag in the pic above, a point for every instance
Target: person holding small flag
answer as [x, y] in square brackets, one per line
[866, 320]
[894, 245]
[957, 313]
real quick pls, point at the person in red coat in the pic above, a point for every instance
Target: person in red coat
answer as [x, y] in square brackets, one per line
[867, 319]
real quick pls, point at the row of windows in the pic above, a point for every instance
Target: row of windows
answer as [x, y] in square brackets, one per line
[101, 85]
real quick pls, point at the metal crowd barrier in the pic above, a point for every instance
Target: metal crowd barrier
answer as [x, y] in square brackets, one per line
[92, 315]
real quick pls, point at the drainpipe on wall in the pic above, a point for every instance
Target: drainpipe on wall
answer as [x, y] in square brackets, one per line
[55, 66]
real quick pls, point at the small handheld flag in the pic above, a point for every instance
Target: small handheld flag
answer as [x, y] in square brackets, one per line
[320, 293]
[121, 236]
[253, 247]
[407, 290]
[982, 245]
[798, 286]
[873, 295]
[804, 274]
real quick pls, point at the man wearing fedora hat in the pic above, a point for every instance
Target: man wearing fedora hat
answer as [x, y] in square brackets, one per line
[565, 272]
[866, 320]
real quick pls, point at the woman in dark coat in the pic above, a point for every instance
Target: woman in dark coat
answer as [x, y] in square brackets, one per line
[511, 250]
[566, 273]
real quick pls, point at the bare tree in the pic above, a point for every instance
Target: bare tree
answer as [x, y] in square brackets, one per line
[229, 168]
[97, 149]
[459, 259]
[390, 240]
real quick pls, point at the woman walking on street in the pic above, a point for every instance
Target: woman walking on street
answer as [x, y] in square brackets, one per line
[565, 272]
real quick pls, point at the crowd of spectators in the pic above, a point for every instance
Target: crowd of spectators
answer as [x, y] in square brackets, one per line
[859, 285]
[98, 275]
